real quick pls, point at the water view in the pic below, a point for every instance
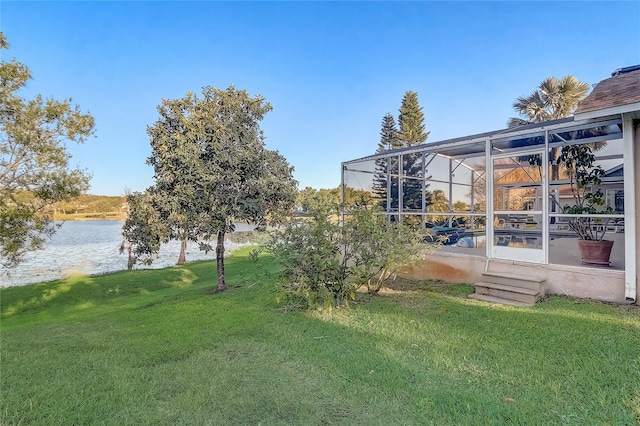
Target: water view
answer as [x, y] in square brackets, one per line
[90, 248]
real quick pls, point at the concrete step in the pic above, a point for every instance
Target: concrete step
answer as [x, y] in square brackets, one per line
[514, 280]
[493, 299]
[519, 294]
[509, 288]
[505, 287]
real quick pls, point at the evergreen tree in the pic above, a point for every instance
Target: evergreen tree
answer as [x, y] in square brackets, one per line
[388, 134]
[412, 188]
[388, 140]
[412, 132]
[411, 121]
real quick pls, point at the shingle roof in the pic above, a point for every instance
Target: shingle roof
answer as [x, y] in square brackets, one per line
[623, 88]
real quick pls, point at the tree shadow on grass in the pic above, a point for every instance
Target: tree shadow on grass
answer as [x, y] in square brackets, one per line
[153, 286]
[83, 292]
[471, 347]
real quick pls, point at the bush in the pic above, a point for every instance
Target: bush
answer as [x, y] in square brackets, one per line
[324, 263]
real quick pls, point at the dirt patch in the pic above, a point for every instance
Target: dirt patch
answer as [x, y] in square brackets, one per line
[210, 291]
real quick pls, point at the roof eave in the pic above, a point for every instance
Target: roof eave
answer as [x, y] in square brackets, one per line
[620, 109]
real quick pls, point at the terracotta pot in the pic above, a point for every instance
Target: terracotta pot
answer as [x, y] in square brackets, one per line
[595, 252]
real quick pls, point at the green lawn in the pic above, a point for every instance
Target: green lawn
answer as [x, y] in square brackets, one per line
[156, 347]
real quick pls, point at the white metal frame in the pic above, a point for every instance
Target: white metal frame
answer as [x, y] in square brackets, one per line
[523, 254]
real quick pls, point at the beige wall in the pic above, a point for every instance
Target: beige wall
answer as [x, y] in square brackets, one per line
[582, 282]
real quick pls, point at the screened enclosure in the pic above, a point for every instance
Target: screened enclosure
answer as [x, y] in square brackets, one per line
[500, 194]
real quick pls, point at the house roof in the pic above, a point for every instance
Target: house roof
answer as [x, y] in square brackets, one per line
[617, 94]
[615, 171]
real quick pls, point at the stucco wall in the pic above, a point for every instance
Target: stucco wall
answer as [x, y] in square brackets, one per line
[449, 267]
[589, 283]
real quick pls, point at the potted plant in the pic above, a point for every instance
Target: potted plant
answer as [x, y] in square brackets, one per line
[585, 179]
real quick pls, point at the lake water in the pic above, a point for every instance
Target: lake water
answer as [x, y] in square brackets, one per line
[90, 248]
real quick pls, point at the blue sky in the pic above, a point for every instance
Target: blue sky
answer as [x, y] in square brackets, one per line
[331, 70]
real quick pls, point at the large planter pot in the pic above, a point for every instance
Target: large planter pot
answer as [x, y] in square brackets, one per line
[595, 252]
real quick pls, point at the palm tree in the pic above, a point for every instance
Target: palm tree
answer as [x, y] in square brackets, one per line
[553, 99]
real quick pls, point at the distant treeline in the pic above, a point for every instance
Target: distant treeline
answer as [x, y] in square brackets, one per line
[100, 207]
[91, 207]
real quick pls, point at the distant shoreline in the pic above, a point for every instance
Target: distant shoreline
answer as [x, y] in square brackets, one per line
[89, 216]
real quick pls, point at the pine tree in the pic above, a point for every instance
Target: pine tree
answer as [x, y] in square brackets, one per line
[412, 132]
[388, 140]
[388, 134]
[411, 121]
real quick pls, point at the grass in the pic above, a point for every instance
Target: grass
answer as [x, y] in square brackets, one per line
[156, 347]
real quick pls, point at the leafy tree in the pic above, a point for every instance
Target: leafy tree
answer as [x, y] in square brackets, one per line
[34, 162]
[355, 197]
[212, 170]
[176, 159]
[303, 196]
[142, 230]
[310, 199]
[439, 203]
[411, 121]
[460, 206]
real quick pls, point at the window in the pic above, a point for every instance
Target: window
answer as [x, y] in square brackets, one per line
[615, 200]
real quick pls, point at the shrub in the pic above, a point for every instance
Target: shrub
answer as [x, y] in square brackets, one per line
[324, 262]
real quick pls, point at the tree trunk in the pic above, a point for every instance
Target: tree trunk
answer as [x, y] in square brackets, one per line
[182, 258]
[555, 175]
[555, 167]
[130, 260]
[220, 261]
